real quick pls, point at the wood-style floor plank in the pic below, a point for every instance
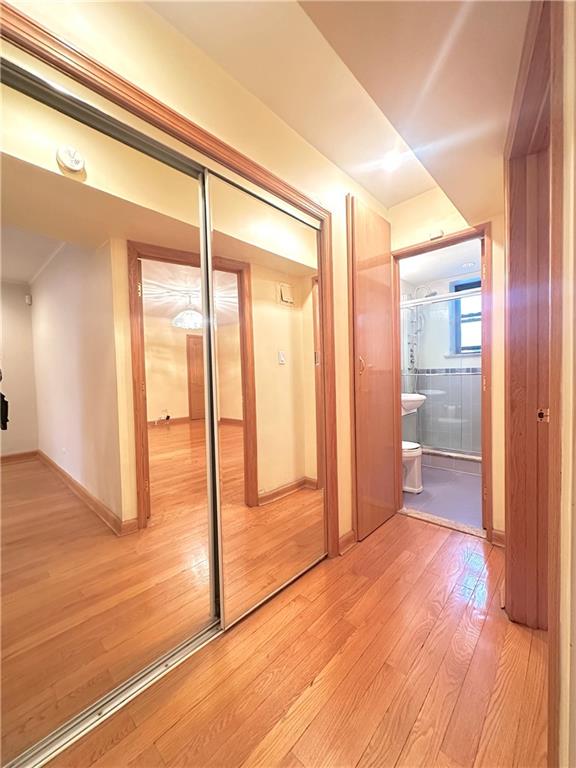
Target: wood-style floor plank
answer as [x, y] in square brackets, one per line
[396, 654]
[500, 728]
[83, 610]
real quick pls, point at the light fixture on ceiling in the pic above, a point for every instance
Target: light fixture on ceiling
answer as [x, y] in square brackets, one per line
[392, 160]
[468, 265]
[189, 319]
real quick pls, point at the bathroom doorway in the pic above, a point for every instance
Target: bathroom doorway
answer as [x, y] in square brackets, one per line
[444, 307]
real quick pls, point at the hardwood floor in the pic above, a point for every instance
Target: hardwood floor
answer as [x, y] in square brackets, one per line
[396, 654]
[83, 609]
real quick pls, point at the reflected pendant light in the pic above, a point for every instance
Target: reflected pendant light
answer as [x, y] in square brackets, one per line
[189, 319]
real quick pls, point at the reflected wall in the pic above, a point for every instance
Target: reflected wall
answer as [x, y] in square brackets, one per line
[273, 527]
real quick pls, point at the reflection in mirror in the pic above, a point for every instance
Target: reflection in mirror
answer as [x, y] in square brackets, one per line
[89, 597]
[269, 399]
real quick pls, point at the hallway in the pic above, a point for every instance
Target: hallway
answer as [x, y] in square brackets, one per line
[396, 654]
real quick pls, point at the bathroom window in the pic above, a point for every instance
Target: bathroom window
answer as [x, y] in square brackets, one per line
[466, 319]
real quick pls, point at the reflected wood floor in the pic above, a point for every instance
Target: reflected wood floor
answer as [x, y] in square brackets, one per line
[396, 654]
[83, 609]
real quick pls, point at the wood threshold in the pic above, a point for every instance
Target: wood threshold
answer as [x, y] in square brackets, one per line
[443, 522]
[119, 527]
[232, 422]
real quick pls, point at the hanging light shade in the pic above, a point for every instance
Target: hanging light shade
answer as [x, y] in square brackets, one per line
[189, 319]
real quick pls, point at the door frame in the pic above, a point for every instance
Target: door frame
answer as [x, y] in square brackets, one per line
[137, 251]
[482, 231]
[536, 120]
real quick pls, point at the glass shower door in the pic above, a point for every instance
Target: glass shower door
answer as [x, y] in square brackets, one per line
[450, 418]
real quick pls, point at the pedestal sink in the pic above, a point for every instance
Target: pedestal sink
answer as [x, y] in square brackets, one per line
[411, 402]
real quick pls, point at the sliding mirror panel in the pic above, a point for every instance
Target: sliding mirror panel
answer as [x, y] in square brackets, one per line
[106, 541]
[269, 396]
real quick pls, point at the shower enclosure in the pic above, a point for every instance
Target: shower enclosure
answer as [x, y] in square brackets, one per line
[441, 358]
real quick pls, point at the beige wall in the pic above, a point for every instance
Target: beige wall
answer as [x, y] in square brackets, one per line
[284, 426]
[413, 222]
[75, 370]
[17, 363]
[167, 369]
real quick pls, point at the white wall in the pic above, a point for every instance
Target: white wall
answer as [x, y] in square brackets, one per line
[75, 369]
[17, 363]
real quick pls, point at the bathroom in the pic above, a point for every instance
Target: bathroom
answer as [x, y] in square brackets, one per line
[442, 384]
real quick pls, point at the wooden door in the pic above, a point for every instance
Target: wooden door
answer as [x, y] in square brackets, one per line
[376, 409]
[195, 356]
[527, 389]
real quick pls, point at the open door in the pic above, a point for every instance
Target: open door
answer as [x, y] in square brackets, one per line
[195, 357]
[376, 397]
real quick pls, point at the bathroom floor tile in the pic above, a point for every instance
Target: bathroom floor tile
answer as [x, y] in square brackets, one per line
[453, 495]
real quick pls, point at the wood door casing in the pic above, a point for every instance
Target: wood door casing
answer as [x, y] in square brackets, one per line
[376, 398]
[195, 370]
[533, 306]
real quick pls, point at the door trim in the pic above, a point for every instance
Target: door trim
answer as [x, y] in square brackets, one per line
[482, 231]
[38, 41]
[537, 110]
[137, 251]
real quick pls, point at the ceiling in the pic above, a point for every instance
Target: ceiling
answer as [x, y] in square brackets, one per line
[171, 288]
[453, 261]
[275, 51]
[48, 208]
[444, 74]
[361, 79]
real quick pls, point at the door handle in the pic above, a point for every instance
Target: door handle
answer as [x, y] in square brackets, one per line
[362, 365]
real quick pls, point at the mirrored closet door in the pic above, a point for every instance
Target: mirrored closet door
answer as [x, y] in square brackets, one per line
[106, 542]
[269, 395]
[163, 470]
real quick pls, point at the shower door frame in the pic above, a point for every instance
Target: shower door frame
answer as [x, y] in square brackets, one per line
[482, 232]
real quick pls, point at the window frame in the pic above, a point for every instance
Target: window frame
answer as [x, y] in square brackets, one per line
[456, 317]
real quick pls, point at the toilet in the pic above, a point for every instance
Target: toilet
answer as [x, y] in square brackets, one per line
[412, 466]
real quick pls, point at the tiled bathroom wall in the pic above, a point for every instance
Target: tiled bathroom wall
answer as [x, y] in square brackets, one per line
[450, 419]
